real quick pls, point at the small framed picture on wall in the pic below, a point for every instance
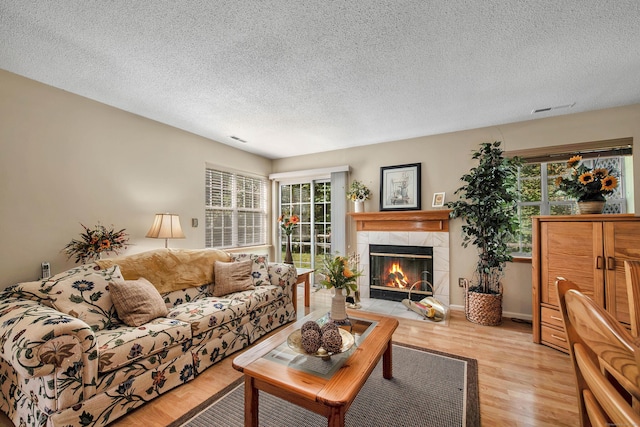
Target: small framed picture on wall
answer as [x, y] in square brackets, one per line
[400, 187]
[438, 200]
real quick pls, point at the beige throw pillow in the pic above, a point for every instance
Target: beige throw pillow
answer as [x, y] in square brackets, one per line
[232, 277]
[137, 301]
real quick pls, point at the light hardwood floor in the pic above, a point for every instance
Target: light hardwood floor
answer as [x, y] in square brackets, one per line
[521, 383]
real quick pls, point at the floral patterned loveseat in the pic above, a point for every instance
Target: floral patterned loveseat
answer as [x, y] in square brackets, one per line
[66, 357]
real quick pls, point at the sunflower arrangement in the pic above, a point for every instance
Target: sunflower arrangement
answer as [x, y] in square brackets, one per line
[340, 272]
[585, 183]
[287, 224]
[94, 242]
[358, 192]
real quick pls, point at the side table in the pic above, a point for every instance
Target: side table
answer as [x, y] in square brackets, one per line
[303, 277]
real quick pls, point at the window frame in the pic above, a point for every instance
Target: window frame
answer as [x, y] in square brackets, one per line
[230, 187]
[545, 204]
[295, 207]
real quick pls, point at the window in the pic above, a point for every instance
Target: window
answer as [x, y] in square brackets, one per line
[235, 210]
[539, 195]
[318, 197]
[311, 240]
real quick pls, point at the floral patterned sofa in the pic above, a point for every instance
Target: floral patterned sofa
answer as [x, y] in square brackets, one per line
[68, 358]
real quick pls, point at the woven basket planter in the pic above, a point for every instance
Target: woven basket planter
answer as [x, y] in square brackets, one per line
[592, 207]
[483, 309]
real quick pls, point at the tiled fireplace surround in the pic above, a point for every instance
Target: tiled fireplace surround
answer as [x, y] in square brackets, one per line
[406, 228]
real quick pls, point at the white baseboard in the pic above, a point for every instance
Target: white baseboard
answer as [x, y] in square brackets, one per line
[509, 314]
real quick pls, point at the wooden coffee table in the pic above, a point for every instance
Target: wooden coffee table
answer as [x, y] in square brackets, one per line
[325, 387]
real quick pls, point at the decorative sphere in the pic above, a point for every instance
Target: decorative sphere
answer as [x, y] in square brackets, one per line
[328, 326]
[311, 341]
[332, 341]
[310, 325]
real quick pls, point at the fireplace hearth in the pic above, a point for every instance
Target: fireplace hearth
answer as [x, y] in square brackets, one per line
[399, 272]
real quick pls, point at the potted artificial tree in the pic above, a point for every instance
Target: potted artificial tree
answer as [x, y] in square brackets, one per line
[488, 205]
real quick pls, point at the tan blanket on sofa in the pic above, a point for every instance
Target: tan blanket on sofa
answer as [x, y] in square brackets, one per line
[170, 269]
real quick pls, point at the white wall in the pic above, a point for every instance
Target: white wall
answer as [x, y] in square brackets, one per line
[66, 160]
[445, 158]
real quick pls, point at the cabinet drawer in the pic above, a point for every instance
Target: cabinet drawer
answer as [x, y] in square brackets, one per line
[555, 338]
[551, 317]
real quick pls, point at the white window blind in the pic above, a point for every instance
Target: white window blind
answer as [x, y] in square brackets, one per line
[236, 210]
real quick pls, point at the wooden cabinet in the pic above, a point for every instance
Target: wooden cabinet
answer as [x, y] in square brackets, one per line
[590, 251]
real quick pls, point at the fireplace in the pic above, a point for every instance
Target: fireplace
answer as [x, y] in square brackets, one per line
[405, 228]
[398, 272]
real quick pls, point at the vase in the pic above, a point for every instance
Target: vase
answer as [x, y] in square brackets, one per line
[359, 205]
[338, 306]
[590, 207]
[288, 259]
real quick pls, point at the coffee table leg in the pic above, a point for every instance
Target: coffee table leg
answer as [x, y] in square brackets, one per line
[336, 417]
[387, 366]
[250, 402]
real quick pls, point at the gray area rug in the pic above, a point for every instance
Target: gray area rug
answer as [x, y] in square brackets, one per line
[428, 388]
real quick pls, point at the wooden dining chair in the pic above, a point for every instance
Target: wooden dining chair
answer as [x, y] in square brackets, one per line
[632, 271]
[605, 360]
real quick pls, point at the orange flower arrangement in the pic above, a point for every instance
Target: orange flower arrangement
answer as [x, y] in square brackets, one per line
[340, 273]
[93, 242]
[288, 223]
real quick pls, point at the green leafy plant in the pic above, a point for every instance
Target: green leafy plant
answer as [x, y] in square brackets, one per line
[488, 205]
[340, 272]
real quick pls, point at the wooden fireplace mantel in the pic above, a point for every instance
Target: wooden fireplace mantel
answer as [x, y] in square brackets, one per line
[402, 221]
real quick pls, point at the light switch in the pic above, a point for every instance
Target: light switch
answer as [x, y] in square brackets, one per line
[194, 222]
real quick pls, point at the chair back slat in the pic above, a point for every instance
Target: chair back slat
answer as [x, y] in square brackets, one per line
[596, 414]
[610, 402]
[632, 271]
[605, 359]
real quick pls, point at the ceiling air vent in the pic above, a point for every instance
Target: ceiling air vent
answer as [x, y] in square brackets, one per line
[238, 139]
[559, 107]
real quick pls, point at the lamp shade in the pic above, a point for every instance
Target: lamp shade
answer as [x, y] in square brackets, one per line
[166, 226]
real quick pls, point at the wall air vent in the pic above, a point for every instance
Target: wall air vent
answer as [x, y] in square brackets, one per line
[558, 107]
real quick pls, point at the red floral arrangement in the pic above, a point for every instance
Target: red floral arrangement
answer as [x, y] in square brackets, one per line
[288, 223]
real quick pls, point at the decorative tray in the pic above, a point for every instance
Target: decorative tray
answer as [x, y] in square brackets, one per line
[295, 343]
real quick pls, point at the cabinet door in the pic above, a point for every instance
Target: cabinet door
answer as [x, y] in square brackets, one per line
[571, 250]
[621, 242]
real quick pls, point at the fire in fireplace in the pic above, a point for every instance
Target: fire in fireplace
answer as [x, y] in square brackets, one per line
[399, 271]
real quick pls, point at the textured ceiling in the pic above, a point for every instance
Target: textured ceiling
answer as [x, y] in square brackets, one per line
[297, 77]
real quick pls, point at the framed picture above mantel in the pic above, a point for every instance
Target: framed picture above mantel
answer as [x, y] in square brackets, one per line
[400, 187]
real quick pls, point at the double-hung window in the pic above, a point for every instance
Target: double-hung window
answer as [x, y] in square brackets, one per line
[235, 209]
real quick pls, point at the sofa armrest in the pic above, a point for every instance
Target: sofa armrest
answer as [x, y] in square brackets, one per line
[285, 276]
[36, 340]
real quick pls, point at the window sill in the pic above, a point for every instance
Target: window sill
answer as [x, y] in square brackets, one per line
[249, 249]
[522, 259]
